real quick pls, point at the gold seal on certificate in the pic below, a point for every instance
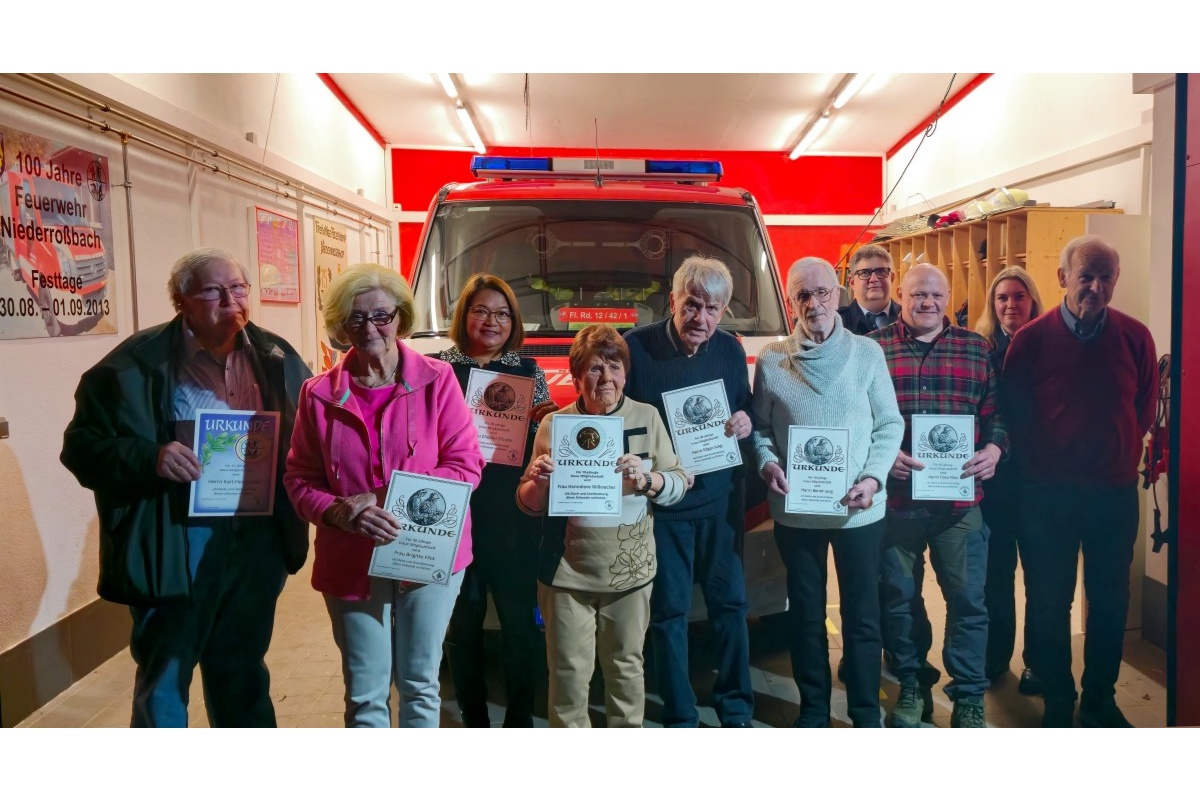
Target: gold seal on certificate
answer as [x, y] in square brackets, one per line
[499, 404]
[585, 481]
[431, 512]
[237, 452]
[818, 470]
[944, 443]
[696, 417]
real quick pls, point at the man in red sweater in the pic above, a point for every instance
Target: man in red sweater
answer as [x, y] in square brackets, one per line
[1080, 385]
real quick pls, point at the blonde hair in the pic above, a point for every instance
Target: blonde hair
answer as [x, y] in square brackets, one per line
[989, 323]
[474, 285]
[353, 281]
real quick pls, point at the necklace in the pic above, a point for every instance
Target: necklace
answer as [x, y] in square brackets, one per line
[363, 380]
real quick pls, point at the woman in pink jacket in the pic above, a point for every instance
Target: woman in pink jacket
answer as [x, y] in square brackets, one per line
[383, 407]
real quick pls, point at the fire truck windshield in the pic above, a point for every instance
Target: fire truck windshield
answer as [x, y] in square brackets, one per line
[573, 262]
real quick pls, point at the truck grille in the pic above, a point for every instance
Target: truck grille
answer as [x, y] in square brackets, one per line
[90, 269]
[535, 350]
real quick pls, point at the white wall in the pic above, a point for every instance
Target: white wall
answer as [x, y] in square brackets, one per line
[1016, 127]
[47, 521]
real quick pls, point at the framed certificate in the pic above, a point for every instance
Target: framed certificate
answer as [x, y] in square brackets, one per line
[696, 417]
[431, 513]
[944, 443]
[818, 470]
[500, 404]
[237, 452]
[585, 481]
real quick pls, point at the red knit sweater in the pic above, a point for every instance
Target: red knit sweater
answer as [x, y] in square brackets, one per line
[1080, 410]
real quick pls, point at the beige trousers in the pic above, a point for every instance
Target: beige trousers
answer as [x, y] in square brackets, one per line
[582, 625]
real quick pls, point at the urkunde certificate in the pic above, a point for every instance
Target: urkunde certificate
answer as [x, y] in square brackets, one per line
[697, 416]
[944, 443]
[431, 512]
[585, 481]
[237, 452]
[500, 404]
[818, 470]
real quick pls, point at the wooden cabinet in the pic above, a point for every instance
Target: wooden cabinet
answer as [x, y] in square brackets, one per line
[973, 253]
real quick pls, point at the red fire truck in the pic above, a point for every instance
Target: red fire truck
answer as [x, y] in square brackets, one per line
[598, 240]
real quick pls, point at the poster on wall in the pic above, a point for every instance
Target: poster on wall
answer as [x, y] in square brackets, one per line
[329, 259]
[56, 252]
[277, 244]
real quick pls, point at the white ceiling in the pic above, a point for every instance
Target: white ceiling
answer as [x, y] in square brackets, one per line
[707, 112]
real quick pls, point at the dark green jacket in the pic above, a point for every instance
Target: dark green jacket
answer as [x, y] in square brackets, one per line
[123, 416]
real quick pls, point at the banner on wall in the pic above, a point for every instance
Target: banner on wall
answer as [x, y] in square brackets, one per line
[329, 259]
[55, 240]
[277, 244]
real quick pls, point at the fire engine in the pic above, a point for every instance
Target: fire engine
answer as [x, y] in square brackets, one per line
[584, 240]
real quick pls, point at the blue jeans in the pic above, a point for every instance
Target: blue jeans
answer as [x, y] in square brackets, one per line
[958, 553]
[703, 548]
[224, 628]
[394, 635]
[1058, 523]
[856, 553]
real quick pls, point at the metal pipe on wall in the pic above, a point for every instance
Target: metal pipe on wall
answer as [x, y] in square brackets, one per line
[192, 143]
[129, 222]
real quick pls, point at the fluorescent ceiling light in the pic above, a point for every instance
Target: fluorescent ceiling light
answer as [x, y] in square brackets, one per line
[447, 85]
[851, 89]
[472, 134]
[813, 134]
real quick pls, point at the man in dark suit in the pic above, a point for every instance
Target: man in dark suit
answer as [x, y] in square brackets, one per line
[871, 280]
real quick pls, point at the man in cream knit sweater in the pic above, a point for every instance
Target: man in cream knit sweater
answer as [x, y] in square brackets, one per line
[822, 376]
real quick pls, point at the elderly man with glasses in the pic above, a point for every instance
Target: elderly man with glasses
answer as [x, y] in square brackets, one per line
[201, 590]
[871, 281]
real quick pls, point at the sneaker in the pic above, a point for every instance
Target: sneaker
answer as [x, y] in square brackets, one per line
[1030, 684]
[910, 708]
[968, 713]
[1059, 712]
[1104, 714]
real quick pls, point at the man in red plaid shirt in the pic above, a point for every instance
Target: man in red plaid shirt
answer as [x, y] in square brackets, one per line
[938, 368]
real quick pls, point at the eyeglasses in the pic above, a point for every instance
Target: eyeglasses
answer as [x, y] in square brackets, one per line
[821, 294]
[377, 318]
[878, 272]
[503, 316]
[211, 293]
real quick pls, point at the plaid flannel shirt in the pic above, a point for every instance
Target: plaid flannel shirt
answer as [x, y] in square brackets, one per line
[956, 377]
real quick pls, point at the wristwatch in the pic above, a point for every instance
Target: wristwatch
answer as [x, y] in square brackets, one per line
[645, 487]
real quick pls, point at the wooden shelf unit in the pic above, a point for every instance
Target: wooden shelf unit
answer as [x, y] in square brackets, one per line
[1031, 237]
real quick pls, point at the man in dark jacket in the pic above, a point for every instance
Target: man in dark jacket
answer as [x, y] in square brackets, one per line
[871, 280]
[202, 590]
[694, 538]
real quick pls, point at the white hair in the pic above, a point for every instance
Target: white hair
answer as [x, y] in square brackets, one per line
[803, 265]
[707, 277]
[183, 273]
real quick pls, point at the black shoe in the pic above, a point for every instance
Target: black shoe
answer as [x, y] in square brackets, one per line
[928, 675]
[1103, 714]
[1059, 712]
[1030, 684]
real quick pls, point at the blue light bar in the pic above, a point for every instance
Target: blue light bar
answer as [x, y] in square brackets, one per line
[506, 164]
[685, 167]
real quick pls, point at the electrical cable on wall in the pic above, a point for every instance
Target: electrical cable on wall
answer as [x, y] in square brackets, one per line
[929, 131]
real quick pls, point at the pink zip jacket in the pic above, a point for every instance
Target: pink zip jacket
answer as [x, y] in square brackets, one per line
[425, 429]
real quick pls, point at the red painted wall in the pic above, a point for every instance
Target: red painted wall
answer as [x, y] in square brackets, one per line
[1187, 522]
[809, 185]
